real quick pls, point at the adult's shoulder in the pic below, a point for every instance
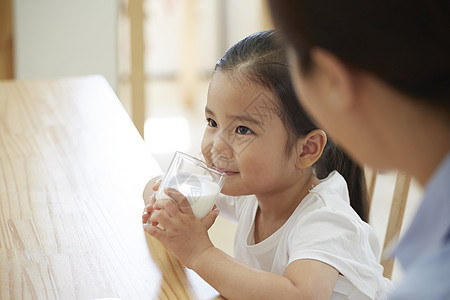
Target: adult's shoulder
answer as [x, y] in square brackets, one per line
[428, 278]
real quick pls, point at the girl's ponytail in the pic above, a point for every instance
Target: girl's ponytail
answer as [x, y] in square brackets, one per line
[333, 158]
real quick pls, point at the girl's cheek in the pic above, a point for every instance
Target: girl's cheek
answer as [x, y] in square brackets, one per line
[206, 146]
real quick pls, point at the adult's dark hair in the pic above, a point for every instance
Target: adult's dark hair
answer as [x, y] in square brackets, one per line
[402, 42]
[260, 58]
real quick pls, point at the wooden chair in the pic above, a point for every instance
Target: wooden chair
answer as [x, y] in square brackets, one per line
[395, 216]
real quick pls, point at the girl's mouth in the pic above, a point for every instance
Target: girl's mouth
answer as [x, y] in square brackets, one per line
[229, 173]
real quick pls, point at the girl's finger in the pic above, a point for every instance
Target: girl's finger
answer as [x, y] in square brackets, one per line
[160, 217]
[149, 207]
[148, 190]
[146, 213]
[145, 216]
[180, 199]
[156, 185]
[210, 218]
[154, 231]
[152, 222]
[169, 205]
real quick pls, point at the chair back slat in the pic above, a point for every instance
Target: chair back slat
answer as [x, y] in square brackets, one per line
[396, 214]
[395, 218]
[371, 178]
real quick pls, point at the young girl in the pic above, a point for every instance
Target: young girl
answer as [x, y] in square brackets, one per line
[297, 235]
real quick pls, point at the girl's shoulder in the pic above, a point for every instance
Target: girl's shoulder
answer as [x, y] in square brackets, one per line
[330, 194]
[327, 208]
[334, 186]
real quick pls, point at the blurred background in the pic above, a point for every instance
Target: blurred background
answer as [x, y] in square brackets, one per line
[178, 44]
[158, 56]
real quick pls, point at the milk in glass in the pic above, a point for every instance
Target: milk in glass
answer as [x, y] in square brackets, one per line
[201, 194]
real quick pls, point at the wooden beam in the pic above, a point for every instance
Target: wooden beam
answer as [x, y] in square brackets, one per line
[266, 17]
[136, 14]
[188, 75]
[6, 40]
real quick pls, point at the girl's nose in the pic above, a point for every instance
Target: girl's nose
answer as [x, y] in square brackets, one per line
[221, 149]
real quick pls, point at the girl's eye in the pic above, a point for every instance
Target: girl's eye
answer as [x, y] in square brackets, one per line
[211, 122]
[243, 130]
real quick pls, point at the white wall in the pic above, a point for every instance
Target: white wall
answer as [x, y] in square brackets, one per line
[55, 38]
[242, 18]
[164, 28]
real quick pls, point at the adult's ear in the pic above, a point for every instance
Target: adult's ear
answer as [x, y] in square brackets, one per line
[337, 79]
[310, 148]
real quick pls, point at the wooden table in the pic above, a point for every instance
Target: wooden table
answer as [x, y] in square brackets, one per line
[72, 171]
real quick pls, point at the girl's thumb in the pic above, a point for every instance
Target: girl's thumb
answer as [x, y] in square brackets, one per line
[210, 218]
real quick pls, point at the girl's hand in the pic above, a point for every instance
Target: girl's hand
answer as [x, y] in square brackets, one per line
[149, 198]
[184, 235]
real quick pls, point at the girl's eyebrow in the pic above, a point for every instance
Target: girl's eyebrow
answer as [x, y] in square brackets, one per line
[208, 111]
[243, 118]
[246, 118]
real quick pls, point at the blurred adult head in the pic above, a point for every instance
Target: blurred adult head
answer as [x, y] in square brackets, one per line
[375, 75]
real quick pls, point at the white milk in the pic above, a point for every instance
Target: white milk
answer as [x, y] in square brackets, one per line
[201, 194]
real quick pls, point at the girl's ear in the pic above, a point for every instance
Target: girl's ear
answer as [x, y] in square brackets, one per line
[310, 148]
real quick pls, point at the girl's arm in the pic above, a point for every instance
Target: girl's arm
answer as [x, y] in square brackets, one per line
[187, 238]
[303, 279]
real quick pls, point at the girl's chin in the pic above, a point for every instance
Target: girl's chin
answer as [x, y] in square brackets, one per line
[231, 191]
[226, 190]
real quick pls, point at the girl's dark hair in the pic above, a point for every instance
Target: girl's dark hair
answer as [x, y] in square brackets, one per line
[261, 59]
[404, 43]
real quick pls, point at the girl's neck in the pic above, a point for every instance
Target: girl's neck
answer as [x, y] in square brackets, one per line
[276, 208]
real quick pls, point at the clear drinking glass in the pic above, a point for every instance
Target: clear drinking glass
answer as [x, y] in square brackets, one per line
[199, 183]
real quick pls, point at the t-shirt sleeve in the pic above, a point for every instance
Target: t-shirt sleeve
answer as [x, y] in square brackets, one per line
[227, 207]
[339, 241]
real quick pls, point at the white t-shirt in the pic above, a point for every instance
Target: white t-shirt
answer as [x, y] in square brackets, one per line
[323, 227]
